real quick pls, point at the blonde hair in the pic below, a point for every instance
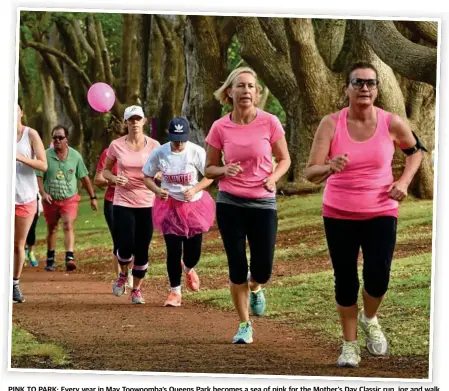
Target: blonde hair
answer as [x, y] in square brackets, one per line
[222, 93]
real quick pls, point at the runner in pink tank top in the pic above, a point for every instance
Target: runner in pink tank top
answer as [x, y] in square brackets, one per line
[353, 151]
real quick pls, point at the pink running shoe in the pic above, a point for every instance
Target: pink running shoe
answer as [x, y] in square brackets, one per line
[119, 285]
[193, 281]
[136, 297]
[174, 300]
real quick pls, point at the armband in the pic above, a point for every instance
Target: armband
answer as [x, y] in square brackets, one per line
[419, 145]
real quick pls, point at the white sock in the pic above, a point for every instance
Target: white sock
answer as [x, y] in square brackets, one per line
[176, 289]
[369, 320]
[187, 269]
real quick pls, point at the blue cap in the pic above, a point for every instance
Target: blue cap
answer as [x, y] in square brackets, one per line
[178, 129]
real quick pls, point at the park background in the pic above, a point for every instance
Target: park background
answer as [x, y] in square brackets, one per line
[303, 77]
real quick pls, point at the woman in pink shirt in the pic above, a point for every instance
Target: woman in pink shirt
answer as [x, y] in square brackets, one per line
[246, 201]
[353, 152]
[133, 202]
[108, 209]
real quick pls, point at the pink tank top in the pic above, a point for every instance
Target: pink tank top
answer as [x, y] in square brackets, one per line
[360, 191]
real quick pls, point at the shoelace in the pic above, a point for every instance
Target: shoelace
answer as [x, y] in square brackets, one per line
[121, 281]
[350, 349]
[374, 332]
[256, 297]
[136, 294]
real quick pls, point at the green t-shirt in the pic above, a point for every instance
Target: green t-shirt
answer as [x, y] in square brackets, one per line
[60, 179]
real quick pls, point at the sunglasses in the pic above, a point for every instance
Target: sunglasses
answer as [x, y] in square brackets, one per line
[60, 138]
[359, 83]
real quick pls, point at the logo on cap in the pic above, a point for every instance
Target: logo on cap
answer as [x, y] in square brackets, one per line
[179, 128]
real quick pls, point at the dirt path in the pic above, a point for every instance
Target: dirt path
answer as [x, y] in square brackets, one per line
[103, 332]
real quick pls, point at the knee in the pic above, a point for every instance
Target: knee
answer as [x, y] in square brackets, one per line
[377, 288]
[261, 276]
[52, 228]
[67, 226]
[238, 276]
[346, 291]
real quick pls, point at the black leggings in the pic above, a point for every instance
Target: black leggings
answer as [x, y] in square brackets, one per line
[133, 230]
[191, 256]
[108, 211]
[31, 237]
[259, 226]
[377, 238]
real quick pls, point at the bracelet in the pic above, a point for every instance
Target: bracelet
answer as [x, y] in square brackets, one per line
[93, 198]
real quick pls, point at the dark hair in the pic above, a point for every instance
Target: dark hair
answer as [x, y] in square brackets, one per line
[66, 132]
[359, 65]
[19, 103]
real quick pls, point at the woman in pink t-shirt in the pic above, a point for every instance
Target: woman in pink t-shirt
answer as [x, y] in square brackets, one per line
[353, 151]
[100, 181]
[133, 202]
[246, 201]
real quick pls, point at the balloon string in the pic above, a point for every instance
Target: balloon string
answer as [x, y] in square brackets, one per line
[115, 117]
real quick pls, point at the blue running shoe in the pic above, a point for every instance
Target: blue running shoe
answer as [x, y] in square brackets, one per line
[257, 303]
[244, 333]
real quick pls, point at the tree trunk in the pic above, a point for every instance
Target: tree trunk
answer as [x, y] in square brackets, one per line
[206, 42]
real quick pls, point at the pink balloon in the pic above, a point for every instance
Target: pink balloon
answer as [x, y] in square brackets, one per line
[101, 97]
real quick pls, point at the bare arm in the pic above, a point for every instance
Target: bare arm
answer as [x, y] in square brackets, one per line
[107, 171]
[99, 179]
[280, 151]
[317, 170]
[87, 184]
[45, 197]
[403, 137]
[213, 170]
[151, 185]
[40, 161]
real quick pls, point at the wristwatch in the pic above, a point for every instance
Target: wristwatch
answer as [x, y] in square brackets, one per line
[93, 198]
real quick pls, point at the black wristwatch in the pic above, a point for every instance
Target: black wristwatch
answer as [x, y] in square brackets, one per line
[93, 198]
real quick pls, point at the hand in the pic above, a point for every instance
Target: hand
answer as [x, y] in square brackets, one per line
[269, 184]
[163, 194]
[338, 163]
[189, 194]
[232, 169]
[47, 198]
[121, 180]
[94, 205]
[397, 190]
[20, 157]
[158, 176]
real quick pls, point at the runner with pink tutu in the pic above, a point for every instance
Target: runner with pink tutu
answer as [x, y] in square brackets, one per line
[182, 211]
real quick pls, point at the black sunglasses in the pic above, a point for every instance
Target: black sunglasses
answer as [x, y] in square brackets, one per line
[359, 83]
[60, 138]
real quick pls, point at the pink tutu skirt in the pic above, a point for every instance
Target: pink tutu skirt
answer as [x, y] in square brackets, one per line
[184, 218]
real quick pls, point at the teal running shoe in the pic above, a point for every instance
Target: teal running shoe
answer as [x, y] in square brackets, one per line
[257, 303]
[244, 333]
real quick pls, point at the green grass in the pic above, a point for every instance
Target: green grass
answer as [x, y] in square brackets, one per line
[24, 344]
[305, 300]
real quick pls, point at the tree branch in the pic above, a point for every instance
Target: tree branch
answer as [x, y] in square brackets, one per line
[409, 59]
[104, 53]
[42, 48]
[82, 39]
[275, 32]
[427, 30]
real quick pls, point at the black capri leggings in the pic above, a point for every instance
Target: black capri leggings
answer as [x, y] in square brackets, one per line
[377, 238]
[236, 224]
[108, 211]
[191, 256]
[133, 230]
[31, 237]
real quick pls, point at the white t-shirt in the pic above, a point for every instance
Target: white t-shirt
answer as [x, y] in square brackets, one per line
[179, 169]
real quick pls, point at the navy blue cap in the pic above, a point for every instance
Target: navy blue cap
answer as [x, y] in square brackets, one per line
[178, 129]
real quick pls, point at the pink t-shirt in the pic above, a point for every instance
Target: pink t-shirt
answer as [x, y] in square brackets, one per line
[109, 194]
[360, 190]
[251, 146]
[134, 194]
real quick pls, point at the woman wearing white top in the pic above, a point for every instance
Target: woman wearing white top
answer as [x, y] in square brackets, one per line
[30, 156]
[182, 210]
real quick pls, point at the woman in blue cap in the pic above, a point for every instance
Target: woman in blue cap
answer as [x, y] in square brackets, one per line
[182, 211]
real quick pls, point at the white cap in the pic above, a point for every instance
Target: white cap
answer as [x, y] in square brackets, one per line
[133, 110]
